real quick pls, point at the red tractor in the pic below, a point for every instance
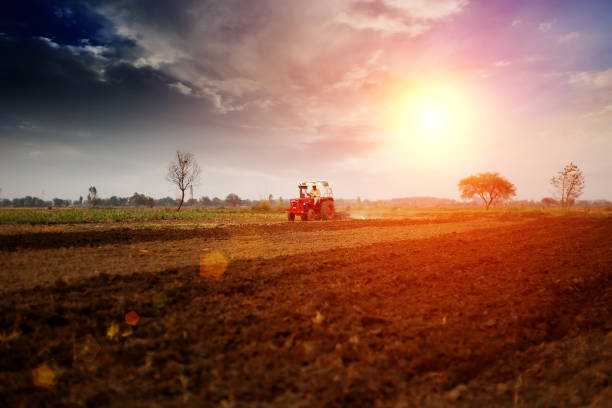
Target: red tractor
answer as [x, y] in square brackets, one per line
[312, 205]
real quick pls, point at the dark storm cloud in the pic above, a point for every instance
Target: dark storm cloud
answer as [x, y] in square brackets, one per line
[51, 84]
[109, 65]
[78, 63]
[64, 66]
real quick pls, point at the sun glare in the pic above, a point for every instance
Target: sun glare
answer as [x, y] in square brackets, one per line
[430, 120]
[427, 111]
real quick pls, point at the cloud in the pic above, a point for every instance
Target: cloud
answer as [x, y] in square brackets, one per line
[49, 42]
[181, 88]
[220, 104]
[231, 86]
[61, 12]
[382, 24]
[530, 59]
[484, 74]
[52, 150]
[263, 65]
[568, 37]
[606, 111]
[411, 17]
[240, 172]
[516, 23]
[502, 64]
[336, 141]
[428, 9]
[547, 25]
[363, 75]
[592, 79]
[34, 154]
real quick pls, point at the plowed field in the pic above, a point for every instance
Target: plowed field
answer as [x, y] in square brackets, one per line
[469, 310]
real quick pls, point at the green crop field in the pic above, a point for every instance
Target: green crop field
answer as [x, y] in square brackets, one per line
[35, 216]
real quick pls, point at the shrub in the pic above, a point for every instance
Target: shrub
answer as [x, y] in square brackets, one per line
[262, 206]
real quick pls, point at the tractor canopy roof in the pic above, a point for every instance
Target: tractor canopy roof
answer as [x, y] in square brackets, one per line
[312, 183]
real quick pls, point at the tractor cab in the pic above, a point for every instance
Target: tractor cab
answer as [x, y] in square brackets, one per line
[309, 208]
[303, 190]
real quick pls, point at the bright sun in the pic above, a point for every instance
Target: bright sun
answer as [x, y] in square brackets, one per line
[431, 120]
[432, 112]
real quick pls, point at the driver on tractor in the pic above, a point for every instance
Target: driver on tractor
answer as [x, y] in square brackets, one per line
[316, 194]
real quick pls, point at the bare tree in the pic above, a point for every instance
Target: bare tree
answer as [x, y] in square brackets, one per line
[569, 184]
[183, 172]
[92, 196]
[490, 187]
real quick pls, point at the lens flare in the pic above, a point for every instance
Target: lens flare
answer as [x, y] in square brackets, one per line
[86, 349]
[43, 376]
[132, 318]
[112, 331]
[213, 265]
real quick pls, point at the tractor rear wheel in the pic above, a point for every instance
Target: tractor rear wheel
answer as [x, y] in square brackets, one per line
[327, 210]
[311, 215]
[291, 216]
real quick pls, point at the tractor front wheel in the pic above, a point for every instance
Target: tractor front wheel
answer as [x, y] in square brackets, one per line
[291, 216]
[327, 210]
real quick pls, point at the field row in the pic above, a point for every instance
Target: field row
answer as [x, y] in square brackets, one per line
[241, 215]
[35, 216]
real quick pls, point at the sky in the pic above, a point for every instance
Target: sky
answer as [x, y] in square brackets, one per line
[382, 98]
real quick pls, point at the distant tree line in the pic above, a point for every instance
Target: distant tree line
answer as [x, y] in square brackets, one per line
[136, 200]
[141, 200]
[29, 201]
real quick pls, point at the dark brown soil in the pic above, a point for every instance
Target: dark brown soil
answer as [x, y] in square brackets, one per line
[507, 316]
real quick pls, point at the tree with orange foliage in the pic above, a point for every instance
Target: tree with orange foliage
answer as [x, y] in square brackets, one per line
[490, 187]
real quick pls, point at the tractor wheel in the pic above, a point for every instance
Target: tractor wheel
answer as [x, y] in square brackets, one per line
[311, 215]
[327, 210]
[291, 216]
